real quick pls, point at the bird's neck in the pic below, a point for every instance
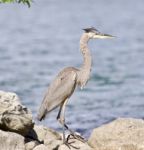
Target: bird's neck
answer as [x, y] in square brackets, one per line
[85, 69]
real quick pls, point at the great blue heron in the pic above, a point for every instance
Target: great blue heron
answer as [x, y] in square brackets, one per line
[66, 81]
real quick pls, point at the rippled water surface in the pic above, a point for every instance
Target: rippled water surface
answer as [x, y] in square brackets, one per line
[36, 43]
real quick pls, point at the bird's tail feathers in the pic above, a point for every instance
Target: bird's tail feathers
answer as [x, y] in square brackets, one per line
[42, 113]
[41, 117]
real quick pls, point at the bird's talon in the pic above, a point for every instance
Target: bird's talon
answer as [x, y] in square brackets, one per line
[78, 137]
[69, 145]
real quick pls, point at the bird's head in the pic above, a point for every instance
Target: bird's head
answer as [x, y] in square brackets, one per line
[93, 33]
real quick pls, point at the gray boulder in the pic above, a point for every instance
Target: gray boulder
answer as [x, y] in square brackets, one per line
[13, 115]
[50, 138]
[11, 141]
[121, 134]
[46, 134]
[31, 144]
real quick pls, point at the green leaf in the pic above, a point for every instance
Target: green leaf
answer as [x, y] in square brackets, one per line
[27, 2]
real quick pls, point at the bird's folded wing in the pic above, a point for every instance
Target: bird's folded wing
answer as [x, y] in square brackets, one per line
[59, 90]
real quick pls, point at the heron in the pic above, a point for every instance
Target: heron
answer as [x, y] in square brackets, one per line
[63, 86]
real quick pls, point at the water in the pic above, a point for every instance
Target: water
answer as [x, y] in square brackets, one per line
[36, 43]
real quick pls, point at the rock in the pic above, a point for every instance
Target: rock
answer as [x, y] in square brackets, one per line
[41, 147]
[54, 145]
[13, 115]
[11, 141]
[31, 145]
[44, 134]
[76, 144]
[121, 134]
[50, 138]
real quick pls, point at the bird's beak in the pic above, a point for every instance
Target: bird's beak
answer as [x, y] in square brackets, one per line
[103, 36]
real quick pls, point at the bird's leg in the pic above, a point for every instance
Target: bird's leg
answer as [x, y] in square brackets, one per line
[61, 119]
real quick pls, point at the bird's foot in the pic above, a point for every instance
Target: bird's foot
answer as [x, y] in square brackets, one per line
[69, 144]
[76, 136]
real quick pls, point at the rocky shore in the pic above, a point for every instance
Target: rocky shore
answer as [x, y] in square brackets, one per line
[19, 132]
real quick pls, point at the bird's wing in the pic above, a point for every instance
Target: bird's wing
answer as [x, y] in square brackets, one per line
[59, 90]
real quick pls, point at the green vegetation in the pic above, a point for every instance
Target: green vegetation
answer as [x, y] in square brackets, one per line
[27, 2]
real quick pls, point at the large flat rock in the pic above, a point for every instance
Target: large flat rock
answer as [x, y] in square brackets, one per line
[121, 134]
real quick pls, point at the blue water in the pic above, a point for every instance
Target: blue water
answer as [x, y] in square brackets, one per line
[36, 43]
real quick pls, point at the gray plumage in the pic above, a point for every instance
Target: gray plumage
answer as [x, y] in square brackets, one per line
[66, 81]
[59, 90]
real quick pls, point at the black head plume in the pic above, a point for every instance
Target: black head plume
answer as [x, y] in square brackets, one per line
[91, 29]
